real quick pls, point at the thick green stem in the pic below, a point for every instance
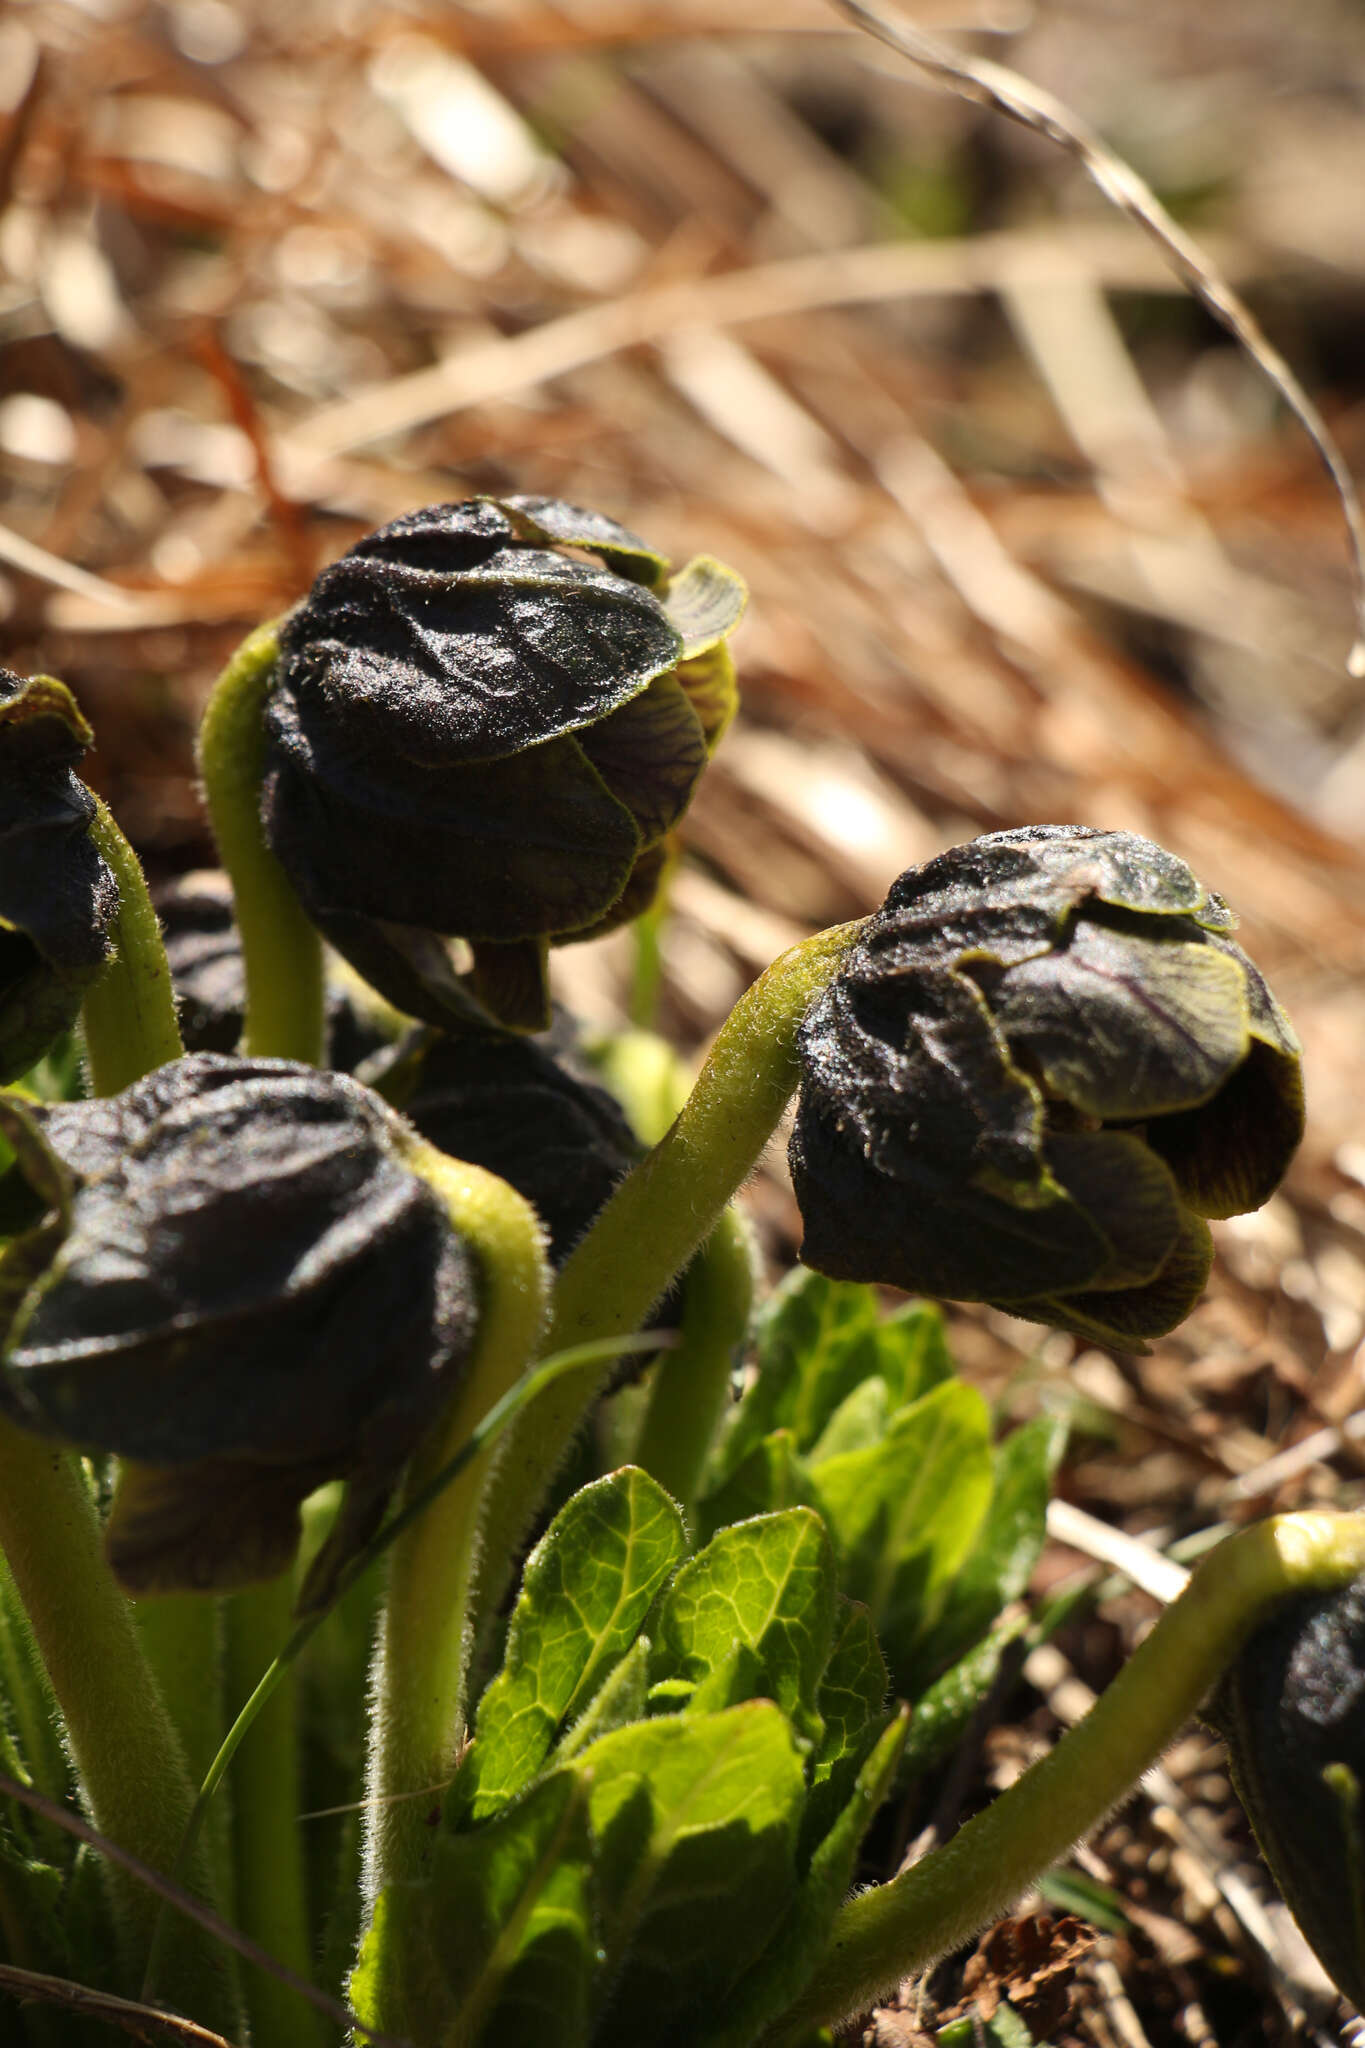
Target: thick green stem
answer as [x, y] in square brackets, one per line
[272, 1904]
[898, 1929]
[281, 951]
[662, 1212]
[130, 1762]
[182, 1640]
[418, 1722]
[689, 1387]
[129, 1015]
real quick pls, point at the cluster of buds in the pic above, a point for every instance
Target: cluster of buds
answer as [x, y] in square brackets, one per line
[1035, 1073]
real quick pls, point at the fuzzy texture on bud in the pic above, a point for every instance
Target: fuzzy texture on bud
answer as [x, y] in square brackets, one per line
[475, 733]
[228, 1276]
[58, 897]
[1042, 1065]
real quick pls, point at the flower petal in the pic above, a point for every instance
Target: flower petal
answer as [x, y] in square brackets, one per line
[1126, 1023]
[1125, 1317]
[651, 754]
[503, 850]
[706, 602]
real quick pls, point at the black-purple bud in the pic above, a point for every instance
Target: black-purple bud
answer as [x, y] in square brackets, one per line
[475, 733]
[230, 1277]
[58, 897]
[1043, 1063]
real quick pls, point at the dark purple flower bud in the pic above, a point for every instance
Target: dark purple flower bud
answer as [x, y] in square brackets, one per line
[1292, 1711]
[1042, 1065]
[230, 1277]
[58, 898]
[477, 734]
[204, 953]
[528, 1111]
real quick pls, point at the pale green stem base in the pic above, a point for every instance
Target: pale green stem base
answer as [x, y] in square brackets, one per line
[897, 1929]
[272, 1903]
[690, 1386]
[182, 1640]
[418, 1717]
[282, 953]
[125, 1750]
[661, 1213]
[128, 1017]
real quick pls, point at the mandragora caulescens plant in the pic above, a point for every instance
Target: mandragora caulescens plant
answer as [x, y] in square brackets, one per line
[636, 1808]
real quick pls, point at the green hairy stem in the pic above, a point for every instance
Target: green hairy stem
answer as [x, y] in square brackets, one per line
[418, 1720]
[126, 1752]
[690, 1385]
[272, 1903]
[663, 1210]
[893, 1931]
[128, 1017]
[282, 953]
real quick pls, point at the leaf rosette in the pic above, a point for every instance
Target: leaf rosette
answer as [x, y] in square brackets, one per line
[476, 733]
[58, 897]
[228, 1276]
[1043, 1064]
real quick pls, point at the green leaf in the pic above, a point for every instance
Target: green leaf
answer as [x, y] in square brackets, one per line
[852, 1703]
[859, 1421]
[587, 1587]
[816, 1340]
[912, 1351]
[905, 1514]
[1073, 1891]
[695, 1820]
[768, 1586]
[511, 1919]
[1010, 1542]
[942, 1713]
[784, 1969]
[818, 1343]
[1004, 2029]
[772, 1476]
[622, 1698]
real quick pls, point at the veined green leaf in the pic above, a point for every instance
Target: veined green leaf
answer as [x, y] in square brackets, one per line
[695, 1819]
[1010, 1541]
[587, 1587]
[511, 1919]
[767, 1585]
[783, 1970]
[852, 1704]
[905, 1514]
[773, 1475]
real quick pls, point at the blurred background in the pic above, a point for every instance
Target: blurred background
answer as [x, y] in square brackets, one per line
[1028, 540]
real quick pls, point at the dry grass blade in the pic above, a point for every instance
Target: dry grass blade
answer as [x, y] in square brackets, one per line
[185, 1902]
[995, 86]
[143, 2022]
